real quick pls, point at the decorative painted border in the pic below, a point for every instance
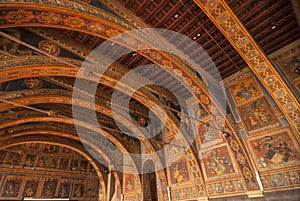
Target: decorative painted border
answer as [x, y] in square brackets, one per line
[271, 133]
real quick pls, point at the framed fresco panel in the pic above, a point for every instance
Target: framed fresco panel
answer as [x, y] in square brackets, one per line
[65, 188]
[245, 90]
[78, 189]
[49, 187]
[31, 187]
[12, 186]
[129, 183]
[258, 116]
[218, 163]
[209, 134]
[179, 172]
[273, 150]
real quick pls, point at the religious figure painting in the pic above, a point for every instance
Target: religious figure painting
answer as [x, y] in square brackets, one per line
[245, 90]
[49, 188]
[31, 187]
[66, 150]
[33, 146]
[74, 164]
[129, 182]
[83, 165]
[258, 115]
[12, 186]
[218, 163]
[275, 150]
[179, 171]
[51, 162]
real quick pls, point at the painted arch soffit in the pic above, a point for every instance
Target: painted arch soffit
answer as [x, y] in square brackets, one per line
[199, 92]
[40, 66]
[52, 99]
[42, 96]
[58, 18]
[43, 66]
[58, 141]
[55, 134]
[34, 117]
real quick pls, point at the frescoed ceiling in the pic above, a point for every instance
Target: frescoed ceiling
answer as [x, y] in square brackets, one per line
[43, 44]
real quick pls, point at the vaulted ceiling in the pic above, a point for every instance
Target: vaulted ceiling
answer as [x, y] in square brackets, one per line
[37, 82]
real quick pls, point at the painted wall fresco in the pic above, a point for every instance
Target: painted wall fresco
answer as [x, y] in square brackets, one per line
[31, 187]
[23, 174]
[79, 188]
[40, 186]
[179, 172]
[131, 187]
[92, 188]
[207, 133]
[183, 193]
[271, 144]
[65, 188]
[33, 82]
[218, 163]
[49, 188]
[12, 186]
[275, 150]
[287, 60]
[245, 90]
[129, 183]
[258, 115]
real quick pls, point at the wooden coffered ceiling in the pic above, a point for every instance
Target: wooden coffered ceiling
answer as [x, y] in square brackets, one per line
[272, 24]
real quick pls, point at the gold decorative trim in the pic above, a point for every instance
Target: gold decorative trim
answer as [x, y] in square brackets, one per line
[255, 194]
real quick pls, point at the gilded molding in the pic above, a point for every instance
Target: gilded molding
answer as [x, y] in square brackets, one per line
[71, 6]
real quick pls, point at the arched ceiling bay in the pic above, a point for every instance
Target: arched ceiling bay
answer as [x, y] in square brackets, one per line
[49, 40]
